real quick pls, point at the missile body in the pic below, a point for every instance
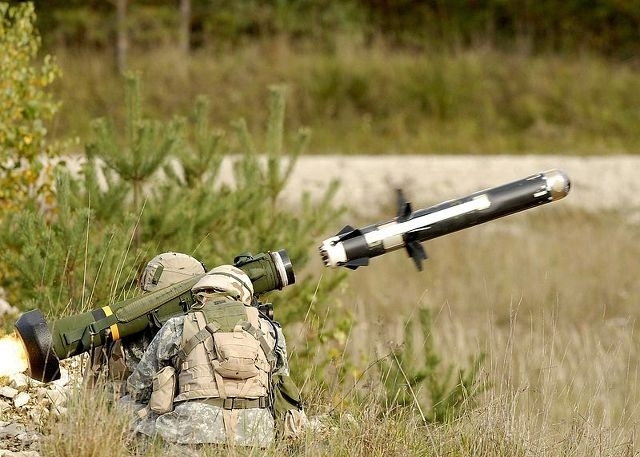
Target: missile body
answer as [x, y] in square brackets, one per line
[354, 247]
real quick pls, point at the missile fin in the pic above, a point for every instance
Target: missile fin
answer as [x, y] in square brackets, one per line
[404, 207]
[417, 253]
[348, 232]
[355, 263]
[345, 229]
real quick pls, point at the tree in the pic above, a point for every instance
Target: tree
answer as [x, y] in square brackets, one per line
[122, 35]
[26, 169]
[151, 187]
[185, 26]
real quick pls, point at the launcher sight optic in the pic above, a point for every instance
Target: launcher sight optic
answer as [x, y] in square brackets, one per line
[47, 344]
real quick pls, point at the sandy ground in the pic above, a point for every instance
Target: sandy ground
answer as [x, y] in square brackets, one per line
[368, 182]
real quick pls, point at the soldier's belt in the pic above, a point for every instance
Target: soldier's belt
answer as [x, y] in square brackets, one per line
[237, 403]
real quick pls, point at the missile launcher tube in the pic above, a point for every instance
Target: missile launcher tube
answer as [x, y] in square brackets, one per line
[72, 335]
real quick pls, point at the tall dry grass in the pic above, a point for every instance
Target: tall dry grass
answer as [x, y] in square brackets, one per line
[551, 296]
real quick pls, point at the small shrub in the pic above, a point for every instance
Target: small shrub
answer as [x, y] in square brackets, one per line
[439, 396]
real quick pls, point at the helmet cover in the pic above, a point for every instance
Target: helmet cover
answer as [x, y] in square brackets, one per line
[229, 279]
[169, 268]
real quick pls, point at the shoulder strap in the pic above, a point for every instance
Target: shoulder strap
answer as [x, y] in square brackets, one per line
[223, 316]
[259, 335]
[203, 335]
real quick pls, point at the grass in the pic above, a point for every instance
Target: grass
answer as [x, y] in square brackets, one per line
[549, 295]
[378, 100]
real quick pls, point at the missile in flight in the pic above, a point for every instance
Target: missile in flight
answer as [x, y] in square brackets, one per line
[352, 248]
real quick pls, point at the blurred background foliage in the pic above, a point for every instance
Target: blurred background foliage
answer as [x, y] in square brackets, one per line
[608, 27]
[368, 76]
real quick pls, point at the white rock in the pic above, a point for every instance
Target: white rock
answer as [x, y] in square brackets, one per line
[57, 397]
[37, 414]
[26, 454]
[11, 430]
[59, 411]
[41, 392]
[4, 406]
[19, 380]
[5, 453]
[21, 399]
[6, 308]
[64, 378]
[8, 392]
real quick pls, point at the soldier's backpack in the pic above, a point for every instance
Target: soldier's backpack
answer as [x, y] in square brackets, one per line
[225, 357]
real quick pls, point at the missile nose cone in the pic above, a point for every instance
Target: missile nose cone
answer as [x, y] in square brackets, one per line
[558, 183]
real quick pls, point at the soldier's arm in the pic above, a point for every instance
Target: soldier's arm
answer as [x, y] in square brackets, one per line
[282, 367]
[277, 341]
[158, 355]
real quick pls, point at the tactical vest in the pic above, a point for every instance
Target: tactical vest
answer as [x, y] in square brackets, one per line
[224, 357]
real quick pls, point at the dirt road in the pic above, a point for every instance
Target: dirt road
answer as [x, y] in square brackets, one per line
[368, 182]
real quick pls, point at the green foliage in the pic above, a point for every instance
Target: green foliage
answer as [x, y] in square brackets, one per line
[227, 198]
[322, 358]
[25, 108]
[153, 187]
[65, 264]
[136, 161]
[88, 252]
[439, 395]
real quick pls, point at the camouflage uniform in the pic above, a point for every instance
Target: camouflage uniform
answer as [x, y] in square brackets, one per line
[113, 363]
[194, 421]
[117, 360]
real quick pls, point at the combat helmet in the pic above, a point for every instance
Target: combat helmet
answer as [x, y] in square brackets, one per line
[169, 268]
[229, 279]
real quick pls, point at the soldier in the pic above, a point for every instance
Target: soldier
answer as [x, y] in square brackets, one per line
[117, 360]
[218, 374]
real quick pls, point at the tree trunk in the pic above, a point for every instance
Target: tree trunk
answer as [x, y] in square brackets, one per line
[122, 44]
[185, 26]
